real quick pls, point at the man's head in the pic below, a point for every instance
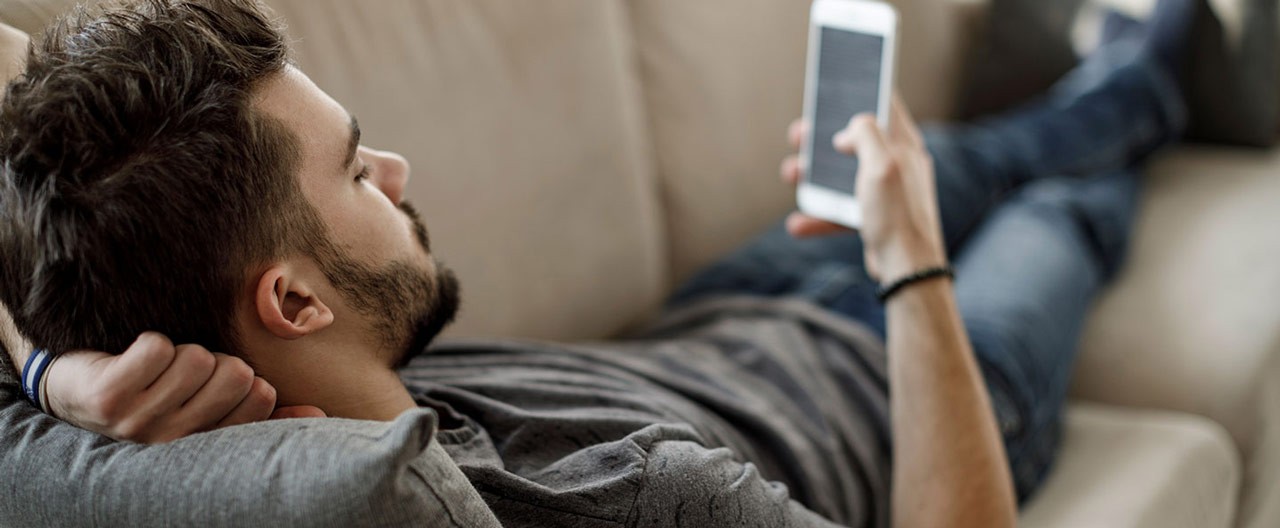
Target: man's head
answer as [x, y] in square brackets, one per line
[165, 168]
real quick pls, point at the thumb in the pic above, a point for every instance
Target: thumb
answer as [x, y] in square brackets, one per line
[298, 411]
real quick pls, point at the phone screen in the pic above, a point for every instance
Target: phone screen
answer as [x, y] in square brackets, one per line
[848, 84]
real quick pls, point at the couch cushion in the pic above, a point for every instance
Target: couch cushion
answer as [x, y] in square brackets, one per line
[529, 148]
[723, 78]
[1193, 323]
[312, 472]
[1123, 468]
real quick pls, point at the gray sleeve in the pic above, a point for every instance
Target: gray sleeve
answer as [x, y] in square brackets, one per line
[316, 472]
[688, 485]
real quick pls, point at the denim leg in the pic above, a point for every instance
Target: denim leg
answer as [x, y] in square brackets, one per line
[1024, 285]
[828, 271]
[1109, 113]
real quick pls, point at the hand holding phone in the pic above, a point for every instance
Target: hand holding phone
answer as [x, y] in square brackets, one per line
[901, 229]
[852, 44]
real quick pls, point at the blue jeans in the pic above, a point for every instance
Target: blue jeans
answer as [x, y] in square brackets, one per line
[1036, 207]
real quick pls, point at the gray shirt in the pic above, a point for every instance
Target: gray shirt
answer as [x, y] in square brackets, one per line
[734, 412]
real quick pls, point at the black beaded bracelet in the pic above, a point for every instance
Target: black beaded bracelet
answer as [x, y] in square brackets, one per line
[886, 292]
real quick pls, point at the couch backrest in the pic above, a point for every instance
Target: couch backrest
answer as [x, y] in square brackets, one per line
[529, 145]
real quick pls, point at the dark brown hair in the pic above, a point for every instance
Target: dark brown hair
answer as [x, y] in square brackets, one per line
[138, 186]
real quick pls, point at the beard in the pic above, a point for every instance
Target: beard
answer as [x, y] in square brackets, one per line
[407, 305]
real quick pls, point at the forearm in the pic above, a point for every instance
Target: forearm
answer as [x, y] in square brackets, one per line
[13, 49]
[949, 464]
[10, 339]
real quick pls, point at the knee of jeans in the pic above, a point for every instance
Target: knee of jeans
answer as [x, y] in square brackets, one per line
[1029, 421]
[1100, 208]
[1030, 445]
[1032, 461]
[1031, 435]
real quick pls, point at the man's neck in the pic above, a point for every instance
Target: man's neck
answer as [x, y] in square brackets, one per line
[343, 385]
[376, 394]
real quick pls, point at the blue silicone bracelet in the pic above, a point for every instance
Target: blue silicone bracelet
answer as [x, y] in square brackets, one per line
[32, 373]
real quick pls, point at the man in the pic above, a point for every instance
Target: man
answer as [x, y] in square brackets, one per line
[310, 267]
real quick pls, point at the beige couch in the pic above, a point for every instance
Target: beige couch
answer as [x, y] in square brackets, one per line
[577, 158]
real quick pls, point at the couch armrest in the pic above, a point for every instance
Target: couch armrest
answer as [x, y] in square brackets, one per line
[1193, 324]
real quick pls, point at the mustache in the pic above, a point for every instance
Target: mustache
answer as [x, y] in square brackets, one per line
[419, 228]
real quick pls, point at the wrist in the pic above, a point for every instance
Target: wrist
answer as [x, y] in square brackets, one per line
[54, 390]
[902, 260]
[890, 289]
[9, 340]
[66, 381]
[34, 377]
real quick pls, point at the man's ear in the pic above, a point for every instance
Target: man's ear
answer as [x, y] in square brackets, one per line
[288, 305]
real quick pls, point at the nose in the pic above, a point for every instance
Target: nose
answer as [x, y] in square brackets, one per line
[390, 172]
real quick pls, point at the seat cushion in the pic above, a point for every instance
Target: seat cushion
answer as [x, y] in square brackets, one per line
[1124, 468]
[306, 472]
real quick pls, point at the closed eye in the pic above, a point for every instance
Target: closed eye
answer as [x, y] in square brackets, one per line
[363, 175]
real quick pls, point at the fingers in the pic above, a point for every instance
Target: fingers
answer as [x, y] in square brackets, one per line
[232, 392]
[141, 364]
[298, 411]
[902, 126]
[797, 132]
[155, 392]
[800, 225]
[796, 135]
[193, 366]
[864, 139]
[155, 414]
[256, 406]
[791, 171]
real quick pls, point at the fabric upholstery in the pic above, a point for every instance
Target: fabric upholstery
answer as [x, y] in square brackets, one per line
[1127, 468]
[1193, 323]
[720, 84]
[528, 143]
[339, 473]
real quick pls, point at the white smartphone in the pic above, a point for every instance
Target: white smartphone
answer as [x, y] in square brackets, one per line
[850, 71]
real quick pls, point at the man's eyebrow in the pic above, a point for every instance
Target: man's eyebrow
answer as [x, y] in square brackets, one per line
[353, 145]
